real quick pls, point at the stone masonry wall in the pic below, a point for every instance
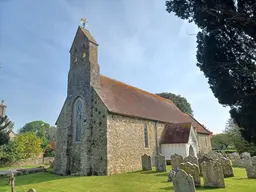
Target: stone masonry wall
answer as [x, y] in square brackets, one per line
[98, 138]
[204, 143]
[126, 142]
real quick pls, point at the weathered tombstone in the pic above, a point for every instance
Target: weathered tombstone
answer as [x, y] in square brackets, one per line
[234, 155]
[203, 158]
[183, 182]
[251, 171]
[31, 190]
[191, 159]
[171, 175]
[226, 166]
[246, 155]
[213, 174]
[254, 160]
[176, 160]
[146, 162]
[214, 155]
[246, 162]
[160, 163]
[193, 170]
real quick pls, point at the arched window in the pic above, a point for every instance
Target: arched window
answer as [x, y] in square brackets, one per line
[78, 119]
[146, 136]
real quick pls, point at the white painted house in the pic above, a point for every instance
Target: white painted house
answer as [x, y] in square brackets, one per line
[180, 139]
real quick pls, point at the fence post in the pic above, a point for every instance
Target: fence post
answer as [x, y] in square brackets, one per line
[12, 182]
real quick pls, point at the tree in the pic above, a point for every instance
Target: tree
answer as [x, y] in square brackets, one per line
[5, 126]
[221, 141]
[28, 145]
[234, 133]
[179, 101]
[39, 128]
[226, 53]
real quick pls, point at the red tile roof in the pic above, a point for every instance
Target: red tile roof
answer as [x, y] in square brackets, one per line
[124, 99]
[176, 133]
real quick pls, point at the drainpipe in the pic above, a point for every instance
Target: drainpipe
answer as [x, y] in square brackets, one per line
[156, 142]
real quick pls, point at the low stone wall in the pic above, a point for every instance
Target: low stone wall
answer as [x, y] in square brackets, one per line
[33, 161]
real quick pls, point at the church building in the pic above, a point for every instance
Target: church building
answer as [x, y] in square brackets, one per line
[105, 126]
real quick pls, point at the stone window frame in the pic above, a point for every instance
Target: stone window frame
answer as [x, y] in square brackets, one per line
[146, 143]
[77, 138]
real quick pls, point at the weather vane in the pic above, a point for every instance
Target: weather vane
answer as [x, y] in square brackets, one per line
[83, 22]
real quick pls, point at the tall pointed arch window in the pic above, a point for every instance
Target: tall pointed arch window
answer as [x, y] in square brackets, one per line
[146, 136]
[78, 114]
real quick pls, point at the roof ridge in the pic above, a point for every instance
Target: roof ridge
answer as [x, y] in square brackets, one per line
[198, 122]
[141, 90]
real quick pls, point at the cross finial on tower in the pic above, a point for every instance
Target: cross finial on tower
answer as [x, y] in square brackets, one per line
[83, 22]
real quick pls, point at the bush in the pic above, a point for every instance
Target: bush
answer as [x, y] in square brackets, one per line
[9, 153]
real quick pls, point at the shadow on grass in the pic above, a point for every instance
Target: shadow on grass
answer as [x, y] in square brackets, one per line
[34, 178]
[165, 174]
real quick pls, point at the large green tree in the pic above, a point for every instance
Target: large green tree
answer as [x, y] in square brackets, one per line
[39, 128]
[179, 101]
[226, 53]
[221, 141]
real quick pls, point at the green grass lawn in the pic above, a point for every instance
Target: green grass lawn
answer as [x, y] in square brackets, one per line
[141, 181]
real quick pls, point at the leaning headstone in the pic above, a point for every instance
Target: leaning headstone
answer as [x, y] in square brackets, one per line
[246, 155]
[176, 160]
[254, 160]
[226, 166]
[160, 163]
[31, 190]
[191, 159]
[213, 174]
[251, 172]
[193, 170]
[146, 162]
[183, 182]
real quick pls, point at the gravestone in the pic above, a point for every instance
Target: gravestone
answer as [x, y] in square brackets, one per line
[246, 162]
[146, 162]
[193, 170]
[176, 160]
[213, 174]
[226, 166]
[251, 171]
[183, 182]
[203, 158]
[254, 160]
[191, 159]
[31, 190]
[160, 163]
[171, 175]
[214, 155]
[246, 155]
[236, 160]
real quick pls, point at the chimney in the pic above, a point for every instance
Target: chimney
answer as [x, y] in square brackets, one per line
[2, 109]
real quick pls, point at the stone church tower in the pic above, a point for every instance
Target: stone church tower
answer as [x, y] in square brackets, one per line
[77, 134]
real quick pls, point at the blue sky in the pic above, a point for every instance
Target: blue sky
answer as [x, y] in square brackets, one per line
[139, 43]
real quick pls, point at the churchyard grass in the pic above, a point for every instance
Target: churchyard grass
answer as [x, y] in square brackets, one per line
[140, 181]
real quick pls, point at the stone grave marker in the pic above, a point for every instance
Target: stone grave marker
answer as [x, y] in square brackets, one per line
[176, 160]
[146, 162]
[193, 170]
[226, 166]
[251, 171]
[31, 190]
[183, 182]
[160, 163]
[191, 159]
[254, 160]
[246, 155]
[213, 174]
